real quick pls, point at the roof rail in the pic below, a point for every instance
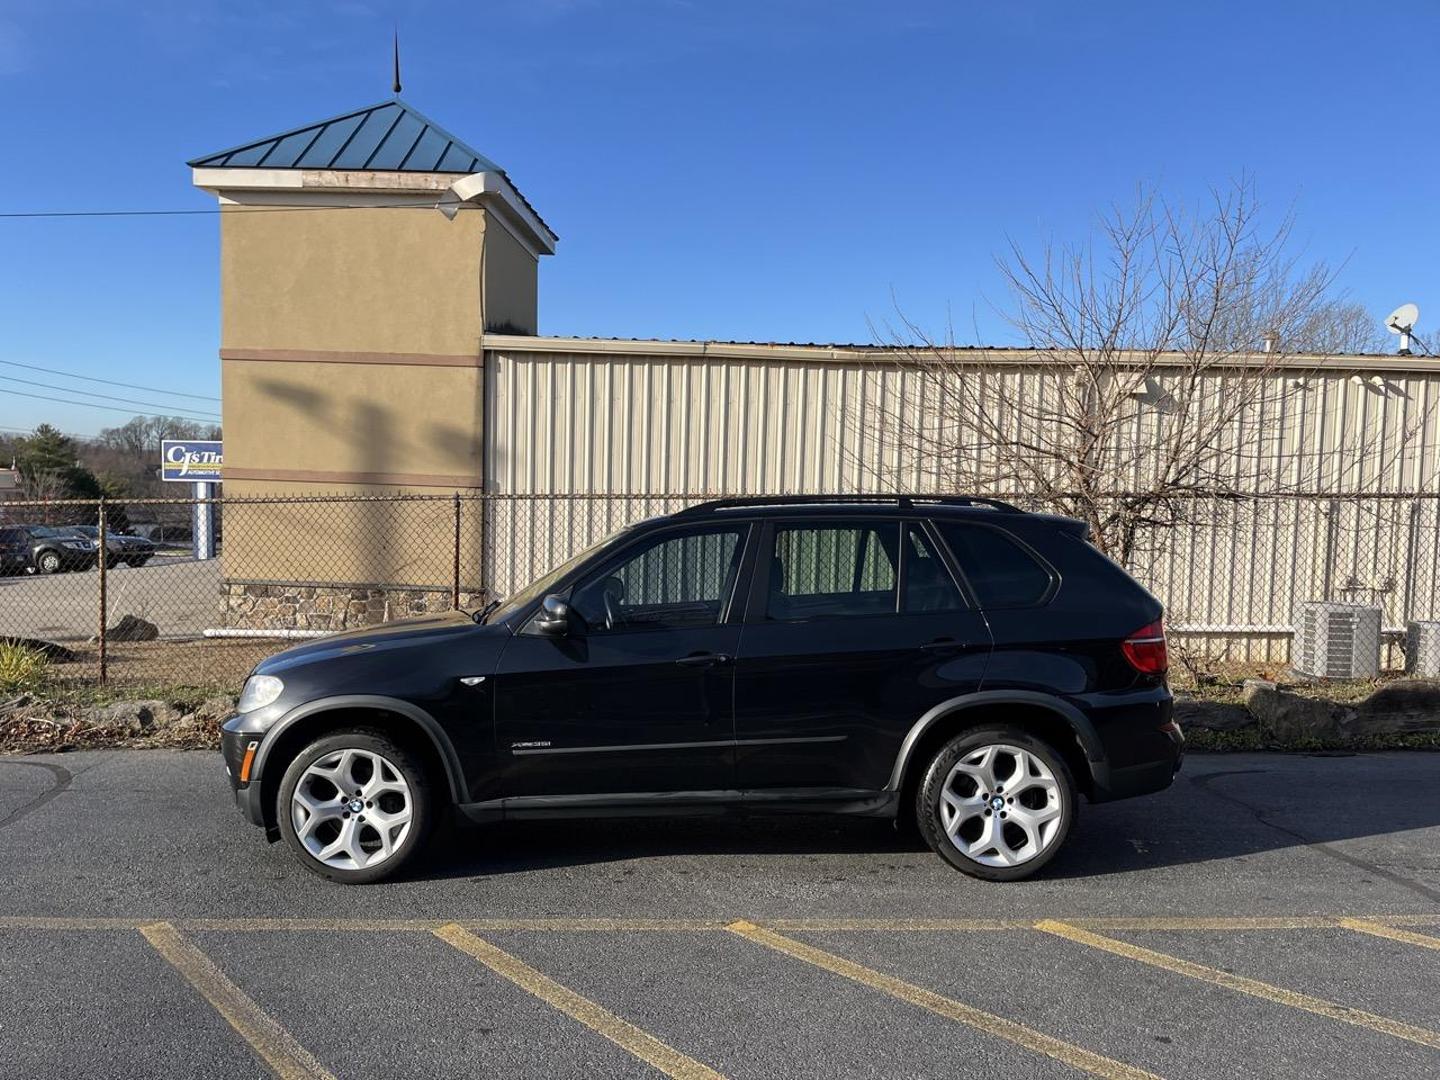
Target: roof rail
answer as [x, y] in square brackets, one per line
[904, 502]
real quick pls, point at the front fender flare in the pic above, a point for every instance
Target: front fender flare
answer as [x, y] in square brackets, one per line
[454, 775]
[1078, 721]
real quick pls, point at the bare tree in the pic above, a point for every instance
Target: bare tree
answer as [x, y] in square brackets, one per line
[130, 453]
[141, 436]
[1165, 351]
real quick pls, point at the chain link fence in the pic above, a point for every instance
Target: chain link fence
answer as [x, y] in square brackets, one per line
[1340, 586]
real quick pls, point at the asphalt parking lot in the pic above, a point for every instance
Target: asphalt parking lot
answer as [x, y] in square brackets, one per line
[1274, 916]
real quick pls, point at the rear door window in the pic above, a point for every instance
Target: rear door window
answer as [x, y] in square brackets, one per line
[833, 569]
[928, 585]
[1001, 571]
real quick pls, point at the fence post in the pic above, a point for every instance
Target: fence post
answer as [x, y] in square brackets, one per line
[102, 559]
[455, 578]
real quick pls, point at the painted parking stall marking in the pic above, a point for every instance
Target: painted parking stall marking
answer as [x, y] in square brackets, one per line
[627, 925]
[597, 1018]
[1075, 1056]
[1243, 985]
[265, 1035]
[270, 1042]
[1378, 929]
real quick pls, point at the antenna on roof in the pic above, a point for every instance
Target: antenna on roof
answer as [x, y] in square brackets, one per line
[397, 60]
[1402, 321]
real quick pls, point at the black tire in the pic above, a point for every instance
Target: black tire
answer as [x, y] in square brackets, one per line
[423, 799]
[138, 560]
[48, 562]
[1037, 798]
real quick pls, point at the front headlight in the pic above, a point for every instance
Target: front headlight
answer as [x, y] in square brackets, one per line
[259, 691]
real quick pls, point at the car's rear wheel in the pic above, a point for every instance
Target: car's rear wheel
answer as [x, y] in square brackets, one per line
[996, 803]
[48, 562]
[355, 807]
[138, 560]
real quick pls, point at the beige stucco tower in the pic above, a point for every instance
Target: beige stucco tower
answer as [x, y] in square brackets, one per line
[362, 258]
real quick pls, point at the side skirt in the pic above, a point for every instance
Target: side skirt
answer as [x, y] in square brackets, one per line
[858, 801]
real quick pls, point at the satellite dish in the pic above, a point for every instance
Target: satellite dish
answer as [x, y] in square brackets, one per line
[1401, 321]
[1403, 318]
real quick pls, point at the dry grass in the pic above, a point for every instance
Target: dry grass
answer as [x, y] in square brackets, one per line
[219, 664]
[35, 733]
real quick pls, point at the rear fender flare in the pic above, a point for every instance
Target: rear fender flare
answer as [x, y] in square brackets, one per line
[1084, 730]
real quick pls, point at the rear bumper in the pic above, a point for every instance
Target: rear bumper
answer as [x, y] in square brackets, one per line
[1110, 783]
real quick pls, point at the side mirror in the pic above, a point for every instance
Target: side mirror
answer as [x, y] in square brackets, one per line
[553, 618]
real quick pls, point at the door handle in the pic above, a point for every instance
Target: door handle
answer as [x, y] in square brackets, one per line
[942, 645]
[704, 659]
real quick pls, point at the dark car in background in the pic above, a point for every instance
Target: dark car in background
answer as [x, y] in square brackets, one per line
[953, 663]
[41, 549]
[119, 548]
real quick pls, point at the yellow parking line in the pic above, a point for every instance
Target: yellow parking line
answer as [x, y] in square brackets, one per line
[898, 925]
[1074, 1056]
[624, 925]
[46, 922]
[579, 925]
[1282, 922]
[1410, 920]
[1253, 987]
[597, 1018]
[1223, 922]
[1409, 937]
[264, 925]
[270, 1042]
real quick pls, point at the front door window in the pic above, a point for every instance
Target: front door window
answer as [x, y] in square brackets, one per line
[676, 582]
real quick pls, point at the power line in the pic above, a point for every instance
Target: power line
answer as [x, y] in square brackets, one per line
[112, 408]
[108, 382]
[87, 393]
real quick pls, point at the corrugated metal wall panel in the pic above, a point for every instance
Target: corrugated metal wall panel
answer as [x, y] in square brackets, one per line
[633, 424]
[637, 425]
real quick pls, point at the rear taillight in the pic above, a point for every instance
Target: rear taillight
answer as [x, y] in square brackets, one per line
[1145, 649]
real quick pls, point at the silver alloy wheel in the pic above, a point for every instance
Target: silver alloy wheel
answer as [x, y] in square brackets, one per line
[351, 809]
[1000, 805]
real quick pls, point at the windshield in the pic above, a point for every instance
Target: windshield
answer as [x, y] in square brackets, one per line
[540, 586]
[41, 530]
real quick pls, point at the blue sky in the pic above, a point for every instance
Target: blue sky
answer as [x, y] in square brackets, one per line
[731, 169]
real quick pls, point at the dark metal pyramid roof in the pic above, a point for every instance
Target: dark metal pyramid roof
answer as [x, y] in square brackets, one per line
[390, 137]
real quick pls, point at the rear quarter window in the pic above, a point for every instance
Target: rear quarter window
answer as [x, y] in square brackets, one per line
[1002, 572]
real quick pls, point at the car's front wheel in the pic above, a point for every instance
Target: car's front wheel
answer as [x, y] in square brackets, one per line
[48, 562]
[996, 803]
[355, 807]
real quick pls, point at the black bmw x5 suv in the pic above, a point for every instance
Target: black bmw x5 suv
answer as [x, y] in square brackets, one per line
[953, 662]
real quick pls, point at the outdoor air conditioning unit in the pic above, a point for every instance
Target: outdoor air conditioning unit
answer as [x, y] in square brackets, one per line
[1422, 648]
[1337, 641]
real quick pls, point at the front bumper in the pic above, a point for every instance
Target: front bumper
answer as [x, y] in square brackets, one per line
[233, 747]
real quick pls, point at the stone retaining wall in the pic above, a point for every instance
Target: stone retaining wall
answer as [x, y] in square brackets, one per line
[257, 606]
